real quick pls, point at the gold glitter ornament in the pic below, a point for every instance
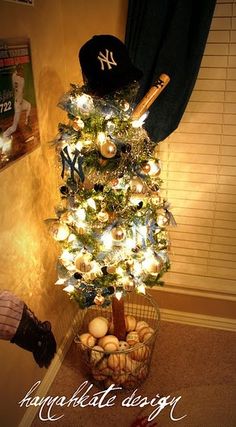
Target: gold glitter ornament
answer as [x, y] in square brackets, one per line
[103, 216]
[99, 300]
[78, 124]
[152, 265]
[162, 220]
[137, 186]
[83, 263]
[81, 229]
[108, 149]
[155, 169]
[118, 233]
[145, 168]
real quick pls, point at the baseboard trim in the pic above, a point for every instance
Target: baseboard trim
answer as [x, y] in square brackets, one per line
[196, 292]
[52, 371]
[195, 319]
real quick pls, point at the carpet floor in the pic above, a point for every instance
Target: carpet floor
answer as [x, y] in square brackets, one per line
[192, 366]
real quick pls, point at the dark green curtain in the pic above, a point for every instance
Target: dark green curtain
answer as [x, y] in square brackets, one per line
[168, 36]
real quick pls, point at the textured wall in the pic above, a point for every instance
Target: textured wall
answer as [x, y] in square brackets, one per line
[29, 187]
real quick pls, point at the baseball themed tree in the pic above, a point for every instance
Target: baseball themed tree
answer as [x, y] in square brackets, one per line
[112, 221]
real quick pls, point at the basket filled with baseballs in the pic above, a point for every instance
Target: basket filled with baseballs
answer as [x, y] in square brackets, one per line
[110, 360]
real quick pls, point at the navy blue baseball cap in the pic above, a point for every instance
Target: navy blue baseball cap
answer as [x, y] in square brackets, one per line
[106, 64]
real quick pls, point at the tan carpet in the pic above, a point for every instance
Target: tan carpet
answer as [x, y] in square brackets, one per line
[198, 364]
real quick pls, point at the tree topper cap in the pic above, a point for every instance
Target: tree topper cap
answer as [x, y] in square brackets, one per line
[106, 64]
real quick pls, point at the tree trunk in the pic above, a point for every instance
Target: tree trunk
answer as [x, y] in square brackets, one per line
[118, 317]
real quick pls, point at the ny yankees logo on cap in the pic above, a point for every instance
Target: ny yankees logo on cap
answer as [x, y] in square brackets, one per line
[104, 59]
[106, 65]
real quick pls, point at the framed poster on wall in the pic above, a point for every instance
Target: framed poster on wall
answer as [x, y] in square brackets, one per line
[26, 2]
[19, 133]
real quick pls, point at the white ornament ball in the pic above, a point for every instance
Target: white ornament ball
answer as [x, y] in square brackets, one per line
[98, 327]
[59, 231]
[83, 263]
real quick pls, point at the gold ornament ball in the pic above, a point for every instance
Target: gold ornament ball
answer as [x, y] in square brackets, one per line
[118, 233]
[83, 263]
[103, 216]
[99, 300]
[162, 220]
[108, 149]
[137, 186]
[153, 265]
[145, 168]
[80, 229]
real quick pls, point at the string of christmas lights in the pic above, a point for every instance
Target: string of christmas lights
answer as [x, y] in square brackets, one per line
[112, 226]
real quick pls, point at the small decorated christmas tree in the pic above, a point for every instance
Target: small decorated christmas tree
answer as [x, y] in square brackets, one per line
[112, 222]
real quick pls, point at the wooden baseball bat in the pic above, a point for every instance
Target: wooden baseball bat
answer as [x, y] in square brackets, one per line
[150, 96]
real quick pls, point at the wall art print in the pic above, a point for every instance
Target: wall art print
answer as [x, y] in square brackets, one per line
[19, 132]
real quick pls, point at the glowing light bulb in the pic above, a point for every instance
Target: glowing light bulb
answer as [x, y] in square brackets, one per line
[130, 243]
[84, 103]
[154, 168]
[137, 268]
[107, 241]
[81, 214]
[101, 137]
[139, 123]
[66, 257]
[141, 289]
[69, 289]
[60, 282]
[91, 203]
[120, 271]
[71, 238]
[118, 295]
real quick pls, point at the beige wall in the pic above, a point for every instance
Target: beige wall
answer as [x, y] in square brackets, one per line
[29, 188]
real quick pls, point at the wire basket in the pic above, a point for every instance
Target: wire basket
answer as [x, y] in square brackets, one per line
[128, 366]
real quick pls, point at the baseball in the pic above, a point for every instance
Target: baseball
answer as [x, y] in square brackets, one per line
[98, 327]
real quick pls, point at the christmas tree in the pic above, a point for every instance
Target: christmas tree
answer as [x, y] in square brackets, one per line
[112, 222]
